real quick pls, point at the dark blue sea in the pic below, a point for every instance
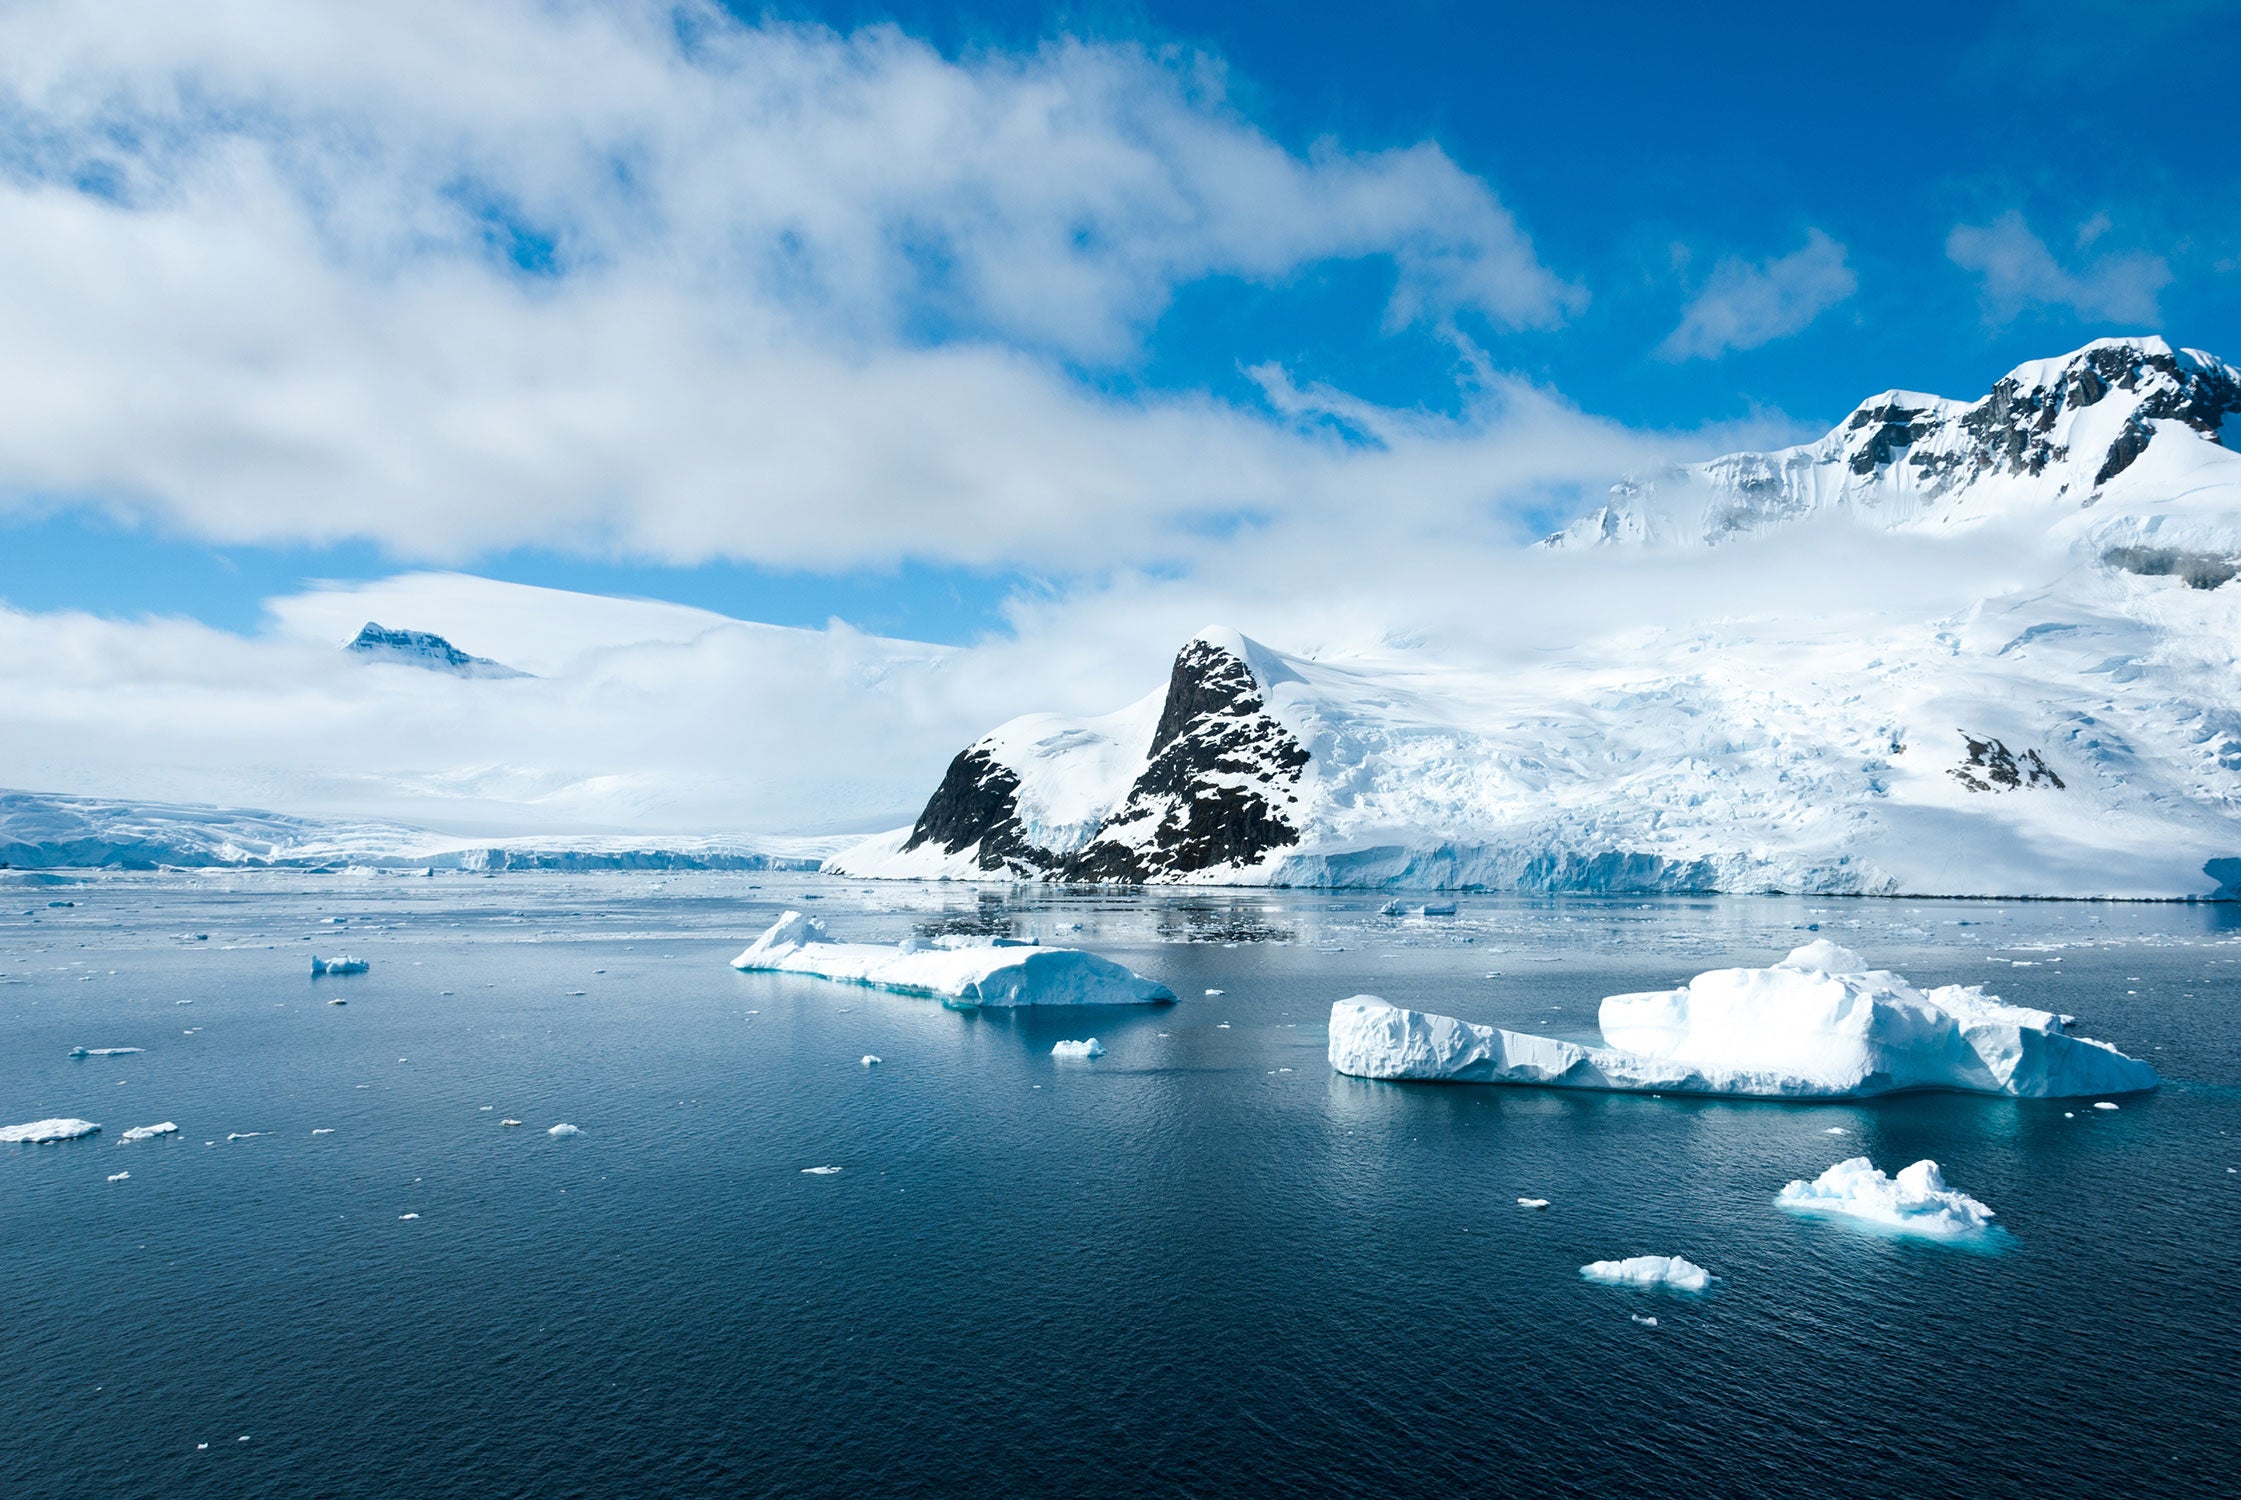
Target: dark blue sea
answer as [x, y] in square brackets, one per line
[1201, 1265]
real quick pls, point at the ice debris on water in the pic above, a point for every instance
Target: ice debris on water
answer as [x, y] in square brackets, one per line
[244, 1135]
[1216, 992]
[1532, 1203]
[819, 1171]
[870, 1060]
[2103, 1104]
[509, 1122]
[1818, 1025]
[104, 1051]
[986, 972]
[324, 1130]
[1081, 1050]
[118, 1176]
[400, 1218]
[1645, 1322]
[41, 1132]
[1836, 1130]
[147, 1133]
[564, 1128]
[1917, 1201]
[321, 966]
[1650, 1270]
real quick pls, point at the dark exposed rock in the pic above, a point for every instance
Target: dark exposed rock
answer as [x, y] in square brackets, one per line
[425, 649]
[978, 803]
[1992, 767]
[2130, 444]
[2199, 570]
[1217, 788]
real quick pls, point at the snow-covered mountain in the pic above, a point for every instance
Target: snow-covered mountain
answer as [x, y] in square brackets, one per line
[40, 831]
[2117, 424]
[2068, 725]
[423, 649]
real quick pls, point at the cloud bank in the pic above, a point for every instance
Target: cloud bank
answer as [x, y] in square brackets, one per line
[1746, 304]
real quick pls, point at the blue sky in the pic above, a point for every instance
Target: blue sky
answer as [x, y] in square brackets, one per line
[1680, 225]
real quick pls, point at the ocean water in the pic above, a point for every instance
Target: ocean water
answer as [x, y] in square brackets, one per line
[1201, 1265]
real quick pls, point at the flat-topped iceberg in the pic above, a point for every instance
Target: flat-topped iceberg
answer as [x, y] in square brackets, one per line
[42, 1132]
[1818, 1025]
[1916, 1202]
[1650, 1270]
[962, 972]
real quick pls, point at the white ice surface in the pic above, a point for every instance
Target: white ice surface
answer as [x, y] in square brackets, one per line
[103, 1051]
[1818, 1025]
[1650, 1270]
[564, 1128]
[39, 1132]
[147, 1133]
[1083, 1050]
[1917, 1201]
[999, 974]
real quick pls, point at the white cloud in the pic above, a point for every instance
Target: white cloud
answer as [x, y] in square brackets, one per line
[2018, 272]
[783, 295]
[1746, 304]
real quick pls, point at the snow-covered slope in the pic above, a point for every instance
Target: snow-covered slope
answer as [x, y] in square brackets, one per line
[49, 832]
[2129, 428]
[2061, 717]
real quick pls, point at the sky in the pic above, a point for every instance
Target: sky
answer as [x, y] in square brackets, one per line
[902, 314]
[976, 355]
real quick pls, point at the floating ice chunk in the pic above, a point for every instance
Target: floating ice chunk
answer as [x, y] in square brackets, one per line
[1436, 909]
[1217, 992]
[321, 966]
[1082, 1050]
[870, 1061]
[2103, 1104]
[988, 972]
[1817, 1025]
[1645, 1322]
[104, 1051]
[118, 1176]
[509, 1122]
[1532, 1203]
[41, 1132]
[1836, 1130]
[400, 1218]
[1650, 1270]
[324, 1130]
[1391, 909]
[564, 1128]
[338, 1002]
[244, 1135]
[147, 1133]
[1915, 1202]
[819, 1171]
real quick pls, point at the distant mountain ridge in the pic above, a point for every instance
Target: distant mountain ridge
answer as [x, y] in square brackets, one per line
[425, 649]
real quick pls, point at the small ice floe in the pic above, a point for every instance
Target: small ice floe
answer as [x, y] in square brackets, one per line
[1916, 1202]
[1216, 992]
[147, 1133]
[244, 1135]
[1437, 909]
[338, 1002]
[1391, 909]
[1081, 1050]
[564, 1128]
[125, 1052]
[321, 966]
[400, 1219]
[324, 1130]
[1532, 1203]
[1836, 1130]
[2103, 1104]
[118, 1176]
[1650, 1270]
[574, 994]
[1645, 1322]
[1221, 1025]
[509, 1122]
[870, 1061]
[819, 1171]
[40, 1132]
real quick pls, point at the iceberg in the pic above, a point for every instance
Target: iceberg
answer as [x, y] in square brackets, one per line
[119, 1176]
[983, 972]
[1915, 1202]
[103, 1051]
[1818, 1025]
[147, 1133]
[40, 1132]
[1650, 1270]
[321, 966]
[564, 1128]
[1083, 1050]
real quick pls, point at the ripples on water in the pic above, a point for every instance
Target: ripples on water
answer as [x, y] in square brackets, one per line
[1200, 1265]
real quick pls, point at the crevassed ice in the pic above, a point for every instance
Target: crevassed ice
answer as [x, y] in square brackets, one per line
[1917, 1201]
[1818, 1025]
[993, 974]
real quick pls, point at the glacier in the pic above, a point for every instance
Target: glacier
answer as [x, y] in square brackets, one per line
[2049, 708]
[1818, 1025]
[968, 972]
[1917, 1201]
